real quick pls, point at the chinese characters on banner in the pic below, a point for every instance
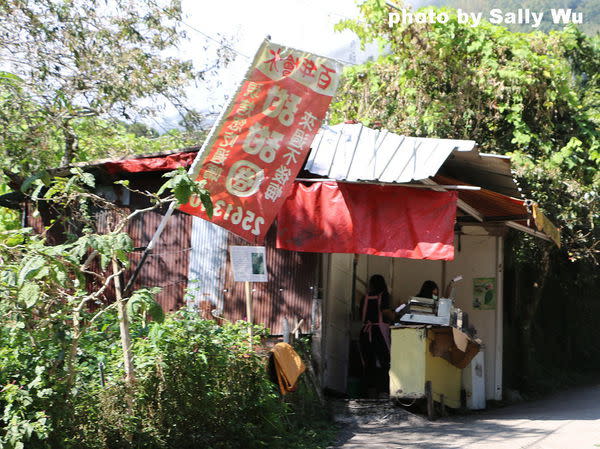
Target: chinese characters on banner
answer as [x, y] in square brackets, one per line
[261, 142]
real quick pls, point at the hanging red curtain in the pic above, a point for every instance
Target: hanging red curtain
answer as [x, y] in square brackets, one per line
[146, 164]
[327, 217]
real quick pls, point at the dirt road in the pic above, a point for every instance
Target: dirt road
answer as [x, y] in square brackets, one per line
[569, 420]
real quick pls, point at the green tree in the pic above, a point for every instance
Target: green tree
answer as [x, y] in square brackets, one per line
[533, 96]
[74, 59]
[48, 307]
[589, 8]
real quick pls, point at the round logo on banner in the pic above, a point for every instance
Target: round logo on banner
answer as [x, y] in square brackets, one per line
[244, 178]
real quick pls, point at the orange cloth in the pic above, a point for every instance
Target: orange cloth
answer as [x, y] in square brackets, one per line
[288, 366]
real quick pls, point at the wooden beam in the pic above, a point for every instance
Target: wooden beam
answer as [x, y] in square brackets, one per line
[470, 210]
[528, 230]
[462, 205]
[493, 219]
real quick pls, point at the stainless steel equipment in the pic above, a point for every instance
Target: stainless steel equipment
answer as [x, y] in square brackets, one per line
[428, 311]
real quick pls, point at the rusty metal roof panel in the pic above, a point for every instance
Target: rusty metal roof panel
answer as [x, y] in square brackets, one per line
[492, 205]
[353, 152]
[490, 171]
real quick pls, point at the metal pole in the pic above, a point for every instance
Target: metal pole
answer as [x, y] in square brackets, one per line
[148, 249]
[394, 184]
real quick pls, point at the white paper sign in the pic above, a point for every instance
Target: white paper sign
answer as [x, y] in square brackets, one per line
[249, 263]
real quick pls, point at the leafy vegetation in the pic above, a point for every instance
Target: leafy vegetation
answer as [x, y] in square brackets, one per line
[532, 96]
[589, 8]
[78, 372]
[72, 72]
[30, 142]
[83, 363]
[198, 385]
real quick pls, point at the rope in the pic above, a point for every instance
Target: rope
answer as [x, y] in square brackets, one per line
[407, 405]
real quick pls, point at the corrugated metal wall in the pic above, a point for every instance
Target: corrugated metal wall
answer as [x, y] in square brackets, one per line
[167, 266]
[193, 254]
[288, 293]
[40, 218]
[208, 260]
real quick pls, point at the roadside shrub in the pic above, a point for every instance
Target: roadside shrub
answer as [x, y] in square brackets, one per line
[198, 385]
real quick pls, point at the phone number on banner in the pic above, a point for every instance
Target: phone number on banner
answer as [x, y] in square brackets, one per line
[235, 215]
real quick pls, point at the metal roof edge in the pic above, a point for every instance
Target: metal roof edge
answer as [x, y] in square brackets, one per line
[98, 162]
[498, 156]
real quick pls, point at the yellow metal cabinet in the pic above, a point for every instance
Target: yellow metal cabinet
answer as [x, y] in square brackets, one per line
[412, 365]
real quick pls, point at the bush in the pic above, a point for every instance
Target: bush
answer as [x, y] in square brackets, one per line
[198, 385]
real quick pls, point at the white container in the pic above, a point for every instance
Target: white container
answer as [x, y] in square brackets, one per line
[474, 383]
[444, 307]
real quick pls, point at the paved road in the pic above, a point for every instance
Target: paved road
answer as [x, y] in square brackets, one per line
[569, 420]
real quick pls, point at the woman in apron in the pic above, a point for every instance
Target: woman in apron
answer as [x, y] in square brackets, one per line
[374, 337]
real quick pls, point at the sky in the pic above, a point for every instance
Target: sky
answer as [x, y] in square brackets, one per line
[303, 24]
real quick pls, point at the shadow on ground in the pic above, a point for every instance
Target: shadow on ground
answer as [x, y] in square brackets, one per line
[391, 426]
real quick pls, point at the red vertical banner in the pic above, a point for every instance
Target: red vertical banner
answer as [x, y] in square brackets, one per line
[258, 146]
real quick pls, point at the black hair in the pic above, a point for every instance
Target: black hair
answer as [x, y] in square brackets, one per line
[427, 289]
[377, 285]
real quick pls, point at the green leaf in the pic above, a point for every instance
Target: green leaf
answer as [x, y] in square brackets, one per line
[183, 187]
[43, 176]
[207, 203]
[142, 302]
[9, 76]
[29, 294]
[36, 193]
[156, 312]
[182, 191]
[30, 268]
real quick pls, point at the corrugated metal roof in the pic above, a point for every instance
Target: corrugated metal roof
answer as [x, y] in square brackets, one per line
[493, 206]
[97, 163]
[490, 171]
[353, 152]
[517, 213]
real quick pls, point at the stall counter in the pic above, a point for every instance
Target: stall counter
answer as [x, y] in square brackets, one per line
[413, 363]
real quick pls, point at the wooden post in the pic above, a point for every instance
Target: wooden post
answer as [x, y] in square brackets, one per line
[315, 382]
[249, 314]
[296, 331]
[429, 397]
[443, 406]
[286, 330]
[123, 326]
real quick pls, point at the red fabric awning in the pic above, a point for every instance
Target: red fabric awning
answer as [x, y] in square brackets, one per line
[327, 217]
[146, 164]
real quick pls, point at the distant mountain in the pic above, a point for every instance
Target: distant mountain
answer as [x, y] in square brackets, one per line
[589, 8]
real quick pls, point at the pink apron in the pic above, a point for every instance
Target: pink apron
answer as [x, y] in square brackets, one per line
[384, 328]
